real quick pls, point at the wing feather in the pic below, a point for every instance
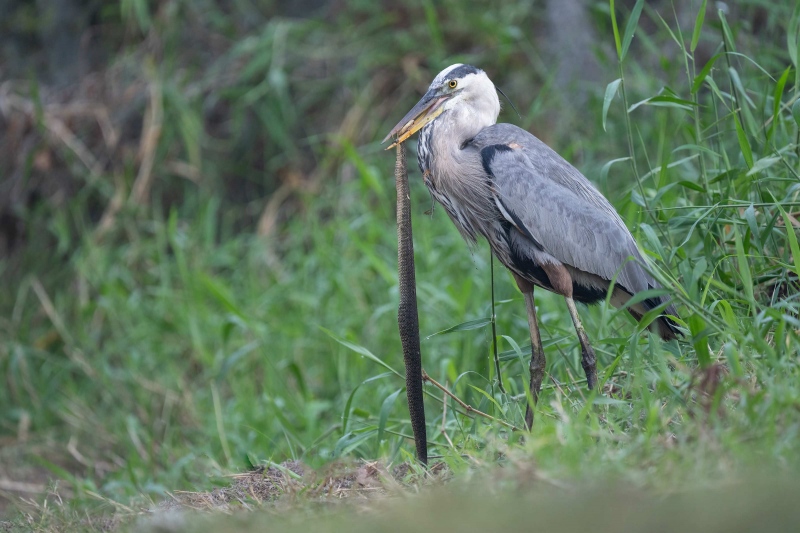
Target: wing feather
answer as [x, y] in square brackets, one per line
[559, 209]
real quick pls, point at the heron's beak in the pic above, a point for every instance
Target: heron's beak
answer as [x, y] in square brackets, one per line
[427, 109]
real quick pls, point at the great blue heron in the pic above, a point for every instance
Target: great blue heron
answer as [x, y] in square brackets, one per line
[543, 219]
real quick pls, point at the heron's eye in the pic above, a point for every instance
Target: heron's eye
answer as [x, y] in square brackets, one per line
[452, 84]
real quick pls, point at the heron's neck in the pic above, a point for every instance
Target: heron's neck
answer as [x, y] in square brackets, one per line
[442, 143]
[453, 172]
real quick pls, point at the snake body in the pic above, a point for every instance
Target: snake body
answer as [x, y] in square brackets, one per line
[407, 315]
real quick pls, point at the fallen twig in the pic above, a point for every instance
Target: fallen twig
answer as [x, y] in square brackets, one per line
[467, 407]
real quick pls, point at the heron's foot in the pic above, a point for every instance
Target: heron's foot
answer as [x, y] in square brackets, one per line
[537, 366]
[588, 359]
[589, 364]
[536, 387]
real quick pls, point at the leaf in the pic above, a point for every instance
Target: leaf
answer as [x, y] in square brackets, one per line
[607, 167]
[514, 347]
[615, 29]
[515, 352]
[464, 326]
[700, 78]
[661, 169]
[611, 92]
[605, 400]
[652, 238]
[727, 314]
[283, 469]
[698, 25]
[346, 412]
[792, 43]
[630, 28]
[692, 185]
[796, 111]
[696, 222]
[726, 32]
[792, 238]
[715, 89]
[232, 359]
[741, 92]
[672, 101]
[744, 268]
[488, 397]
[665, 101]
[732, 355]
[697, 326]
[732, 173]
[762, 164]
[777, 97]
[350, 440]
[360, 350]
[699, 269]
[744, 144]
[637, 199]
[221, 294]
[644, 295]
[750, 217]
[669, 30]
[386, 408]
[652, 315]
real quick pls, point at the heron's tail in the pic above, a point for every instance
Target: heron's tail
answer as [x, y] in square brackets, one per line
[665, 326]
[668, 328]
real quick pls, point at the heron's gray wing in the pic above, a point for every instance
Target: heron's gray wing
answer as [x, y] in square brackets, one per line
[548, 164]
[559, 218]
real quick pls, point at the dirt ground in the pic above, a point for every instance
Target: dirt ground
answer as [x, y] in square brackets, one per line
[278, 487]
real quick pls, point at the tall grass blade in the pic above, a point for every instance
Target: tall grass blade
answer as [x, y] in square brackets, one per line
[386, 408]
[777, 97]
[698, 26]
[791, 236]
[615, 29]
[611, 92]
[762, 164]
[218, 416]
[700, 78]
[665, 101]
[469, 325]
[348, 404]
[792, 41]
[744, 144]
[727, 34]
[630, 28]
[744, 268]
[361, 350]
[697, 327]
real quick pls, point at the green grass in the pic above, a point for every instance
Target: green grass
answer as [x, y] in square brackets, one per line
[183, 344]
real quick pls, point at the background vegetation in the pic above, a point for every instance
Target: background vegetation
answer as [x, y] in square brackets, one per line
[199, 248]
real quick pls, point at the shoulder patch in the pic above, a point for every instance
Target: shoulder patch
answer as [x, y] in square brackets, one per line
[488, 153]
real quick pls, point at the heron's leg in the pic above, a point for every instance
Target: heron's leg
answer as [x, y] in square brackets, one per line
[561, 281]
[588, 359]
[538, 360]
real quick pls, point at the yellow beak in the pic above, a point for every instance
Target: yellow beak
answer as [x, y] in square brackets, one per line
[422, 114]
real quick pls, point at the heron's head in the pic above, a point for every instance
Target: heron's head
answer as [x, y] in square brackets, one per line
[458, 89]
